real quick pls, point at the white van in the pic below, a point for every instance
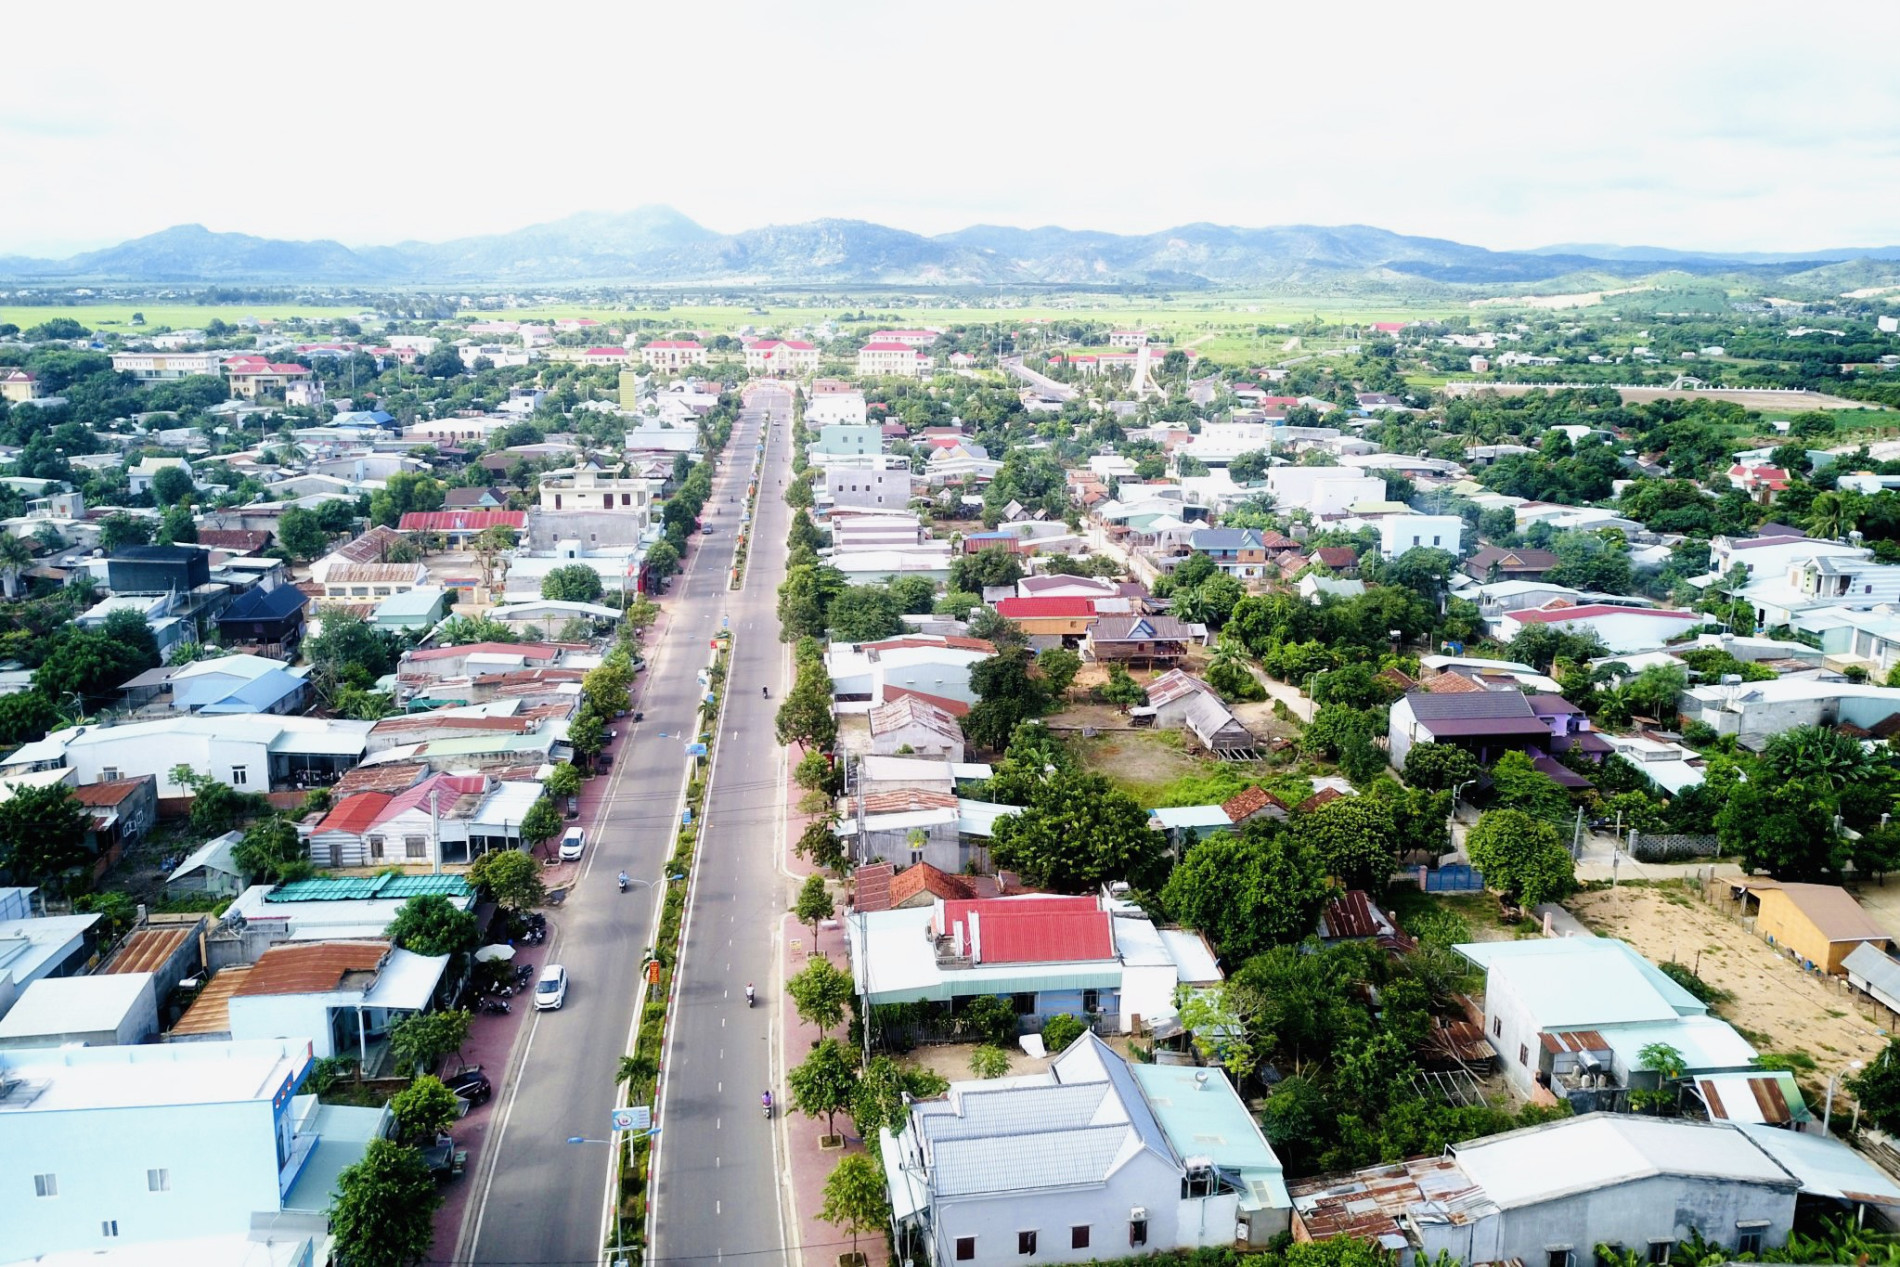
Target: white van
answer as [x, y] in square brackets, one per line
[572, 843]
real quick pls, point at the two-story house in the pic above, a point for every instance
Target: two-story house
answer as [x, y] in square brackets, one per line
[1239, 552]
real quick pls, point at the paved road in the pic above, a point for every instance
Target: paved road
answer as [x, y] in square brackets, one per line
[541, 1199]
[717, 1192]
[1041, 382]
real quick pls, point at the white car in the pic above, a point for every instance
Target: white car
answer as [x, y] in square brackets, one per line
[572, 843]
[551, 990]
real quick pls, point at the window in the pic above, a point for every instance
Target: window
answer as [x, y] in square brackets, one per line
[158, 1180]
[416, 846]
[46, 1185]
[240, 775]
[1497, 1027]
[1523, 1054]
[1025, 1242]
[109, 1227]
[1557, 1256]
[1435, 540]
[966, 1248]
[1079, 1236]
[1138, 1231]
[109, 774]
[1659, 1251]
[1091, 1001]
[1748, 1238]
[375, 846]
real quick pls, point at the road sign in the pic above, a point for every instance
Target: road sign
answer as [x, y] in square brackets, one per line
[695, 749]
[638, 1117]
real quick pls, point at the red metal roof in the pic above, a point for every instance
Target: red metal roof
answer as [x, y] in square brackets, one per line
[461, 520]
[673, 343]
[1037, 937]
[873, 885]
[1588, 610]
[954, 707]
[606, 352]
[1030, 608]
[355, 814]
[107, 794]
[887, 347]
[526, 650]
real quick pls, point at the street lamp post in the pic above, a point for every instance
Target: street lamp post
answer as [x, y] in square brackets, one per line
[1827, 1113]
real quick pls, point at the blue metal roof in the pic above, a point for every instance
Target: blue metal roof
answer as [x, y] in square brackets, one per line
[257, 695]
[356, 888]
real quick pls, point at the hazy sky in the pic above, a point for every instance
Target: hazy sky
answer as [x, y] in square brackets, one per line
[1739, 126]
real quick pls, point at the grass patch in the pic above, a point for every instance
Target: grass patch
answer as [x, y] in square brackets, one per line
[116, 318]
[1408, 904]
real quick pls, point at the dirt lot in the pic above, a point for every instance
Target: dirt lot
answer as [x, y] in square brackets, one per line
[952, 1060]
[1778, 1006]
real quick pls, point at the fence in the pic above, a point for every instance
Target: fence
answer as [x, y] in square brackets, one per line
[1666, 848]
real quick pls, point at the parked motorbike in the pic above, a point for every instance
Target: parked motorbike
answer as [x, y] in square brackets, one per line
[492, 1006]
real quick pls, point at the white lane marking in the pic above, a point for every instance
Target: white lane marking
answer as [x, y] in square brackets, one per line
[718, 1123]
[717, 1208]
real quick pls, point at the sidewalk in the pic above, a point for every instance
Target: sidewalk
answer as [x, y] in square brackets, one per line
[819, 1243]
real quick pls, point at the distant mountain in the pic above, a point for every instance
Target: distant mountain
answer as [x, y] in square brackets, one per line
[657, 244]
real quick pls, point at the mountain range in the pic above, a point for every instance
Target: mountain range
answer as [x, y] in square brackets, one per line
[657, 244]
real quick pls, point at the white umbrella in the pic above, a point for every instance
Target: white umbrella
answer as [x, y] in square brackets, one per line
[496, 951]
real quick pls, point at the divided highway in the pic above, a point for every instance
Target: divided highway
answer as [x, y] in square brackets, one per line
[540, 1199]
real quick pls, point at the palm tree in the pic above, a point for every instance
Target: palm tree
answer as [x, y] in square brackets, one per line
[1827, 515]
[634, 1069]
[15, 557]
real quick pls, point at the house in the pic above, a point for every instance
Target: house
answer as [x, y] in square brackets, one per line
[210, 868]
[911, 725]
[1876, 974]
[1551, 1194]
[825, 408]
[892, 359]
[864, 675]
[1081, 956]
[859, 486]
[1148, 639]
[780, 356]
[1316, 589]
[139, 476]
[1254, 802]
[1399, 533]
[111, 1010]
[1756, 712]
[129, 1147]
[1571, 1016]
[1619, 627]
[1322, 490]
[319, 910]
[597, 490]
[487, 497]
[1068, 1165]
[880, 887]
[363, 582]
[270, 619]
[1819, 925]
[1486, 723]
[1053, 617]
[340, 996]
[257, 752]
[120, 811]
[373, 546]
[459, 527]
[1341, 559]
[148, 367]
[1239, 552]
[1497, 563]
[18, 386]
[254, 376]
[670, 356]
[236, 684]
[37, 946]
[1761, 482]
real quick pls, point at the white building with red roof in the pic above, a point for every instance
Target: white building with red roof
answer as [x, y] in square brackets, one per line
[606, 356]
[781, 356]
[891, 358]
[1621, 629]
[1761, 482]
[254, 376]
[1073, 955]
[909, 338]
[18, 386]
[673, 355]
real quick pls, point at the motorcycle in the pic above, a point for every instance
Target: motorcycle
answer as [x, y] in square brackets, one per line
[766, 692]
[623, 881]
[766, 1100]
[492, 1007]
[749, 996]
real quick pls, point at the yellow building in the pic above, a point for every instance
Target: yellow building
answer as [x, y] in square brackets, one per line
[1820, 924]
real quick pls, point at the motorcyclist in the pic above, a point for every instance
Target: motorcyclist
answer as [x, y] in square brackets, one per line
[766, 1100]
[623, 881]
[748, 994]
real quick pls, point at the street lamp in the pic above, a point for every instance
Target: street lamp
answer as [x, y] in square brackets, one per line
[1827, 1113]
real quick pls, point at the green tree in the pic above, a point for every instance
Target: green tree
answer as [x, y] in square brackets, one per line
[988, 1062]
[1355, 839]
[424, 1109]
[432, 925]
[541, 823]
[804, 717]
[176, 526]
[1655, 692]
[1520, 855]
[820, 992]
[402, 493]
[988, 1019]
[1122, 690]
[1517, 784]
[564, 780]
[879, 1102]
[1439, 766]
[913, 594]
[825, 1082]
[819, 845]
[384, 1211]
[804, 598]
[510, 878]
[1060, 1030]
[119, 530]
[1876, 1089]
[814, 904]
[271, 852]
[419, 1040]
[994, 565]
[1783, 827]
[855, 1197]
[302, 534]
[25, 716]
[575, 583]
[43, 837]
[1078, 831]
[1008, 693]
[1058, 666]
[1817, 752]
[662, 561]
[1249, 890]
[864, 613]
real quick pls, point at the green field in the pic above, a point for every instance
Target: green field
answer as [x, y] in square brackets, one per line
[116, 318]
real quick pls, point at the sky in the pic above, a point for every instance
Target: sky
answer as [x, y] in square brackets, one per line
[1676, 123]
